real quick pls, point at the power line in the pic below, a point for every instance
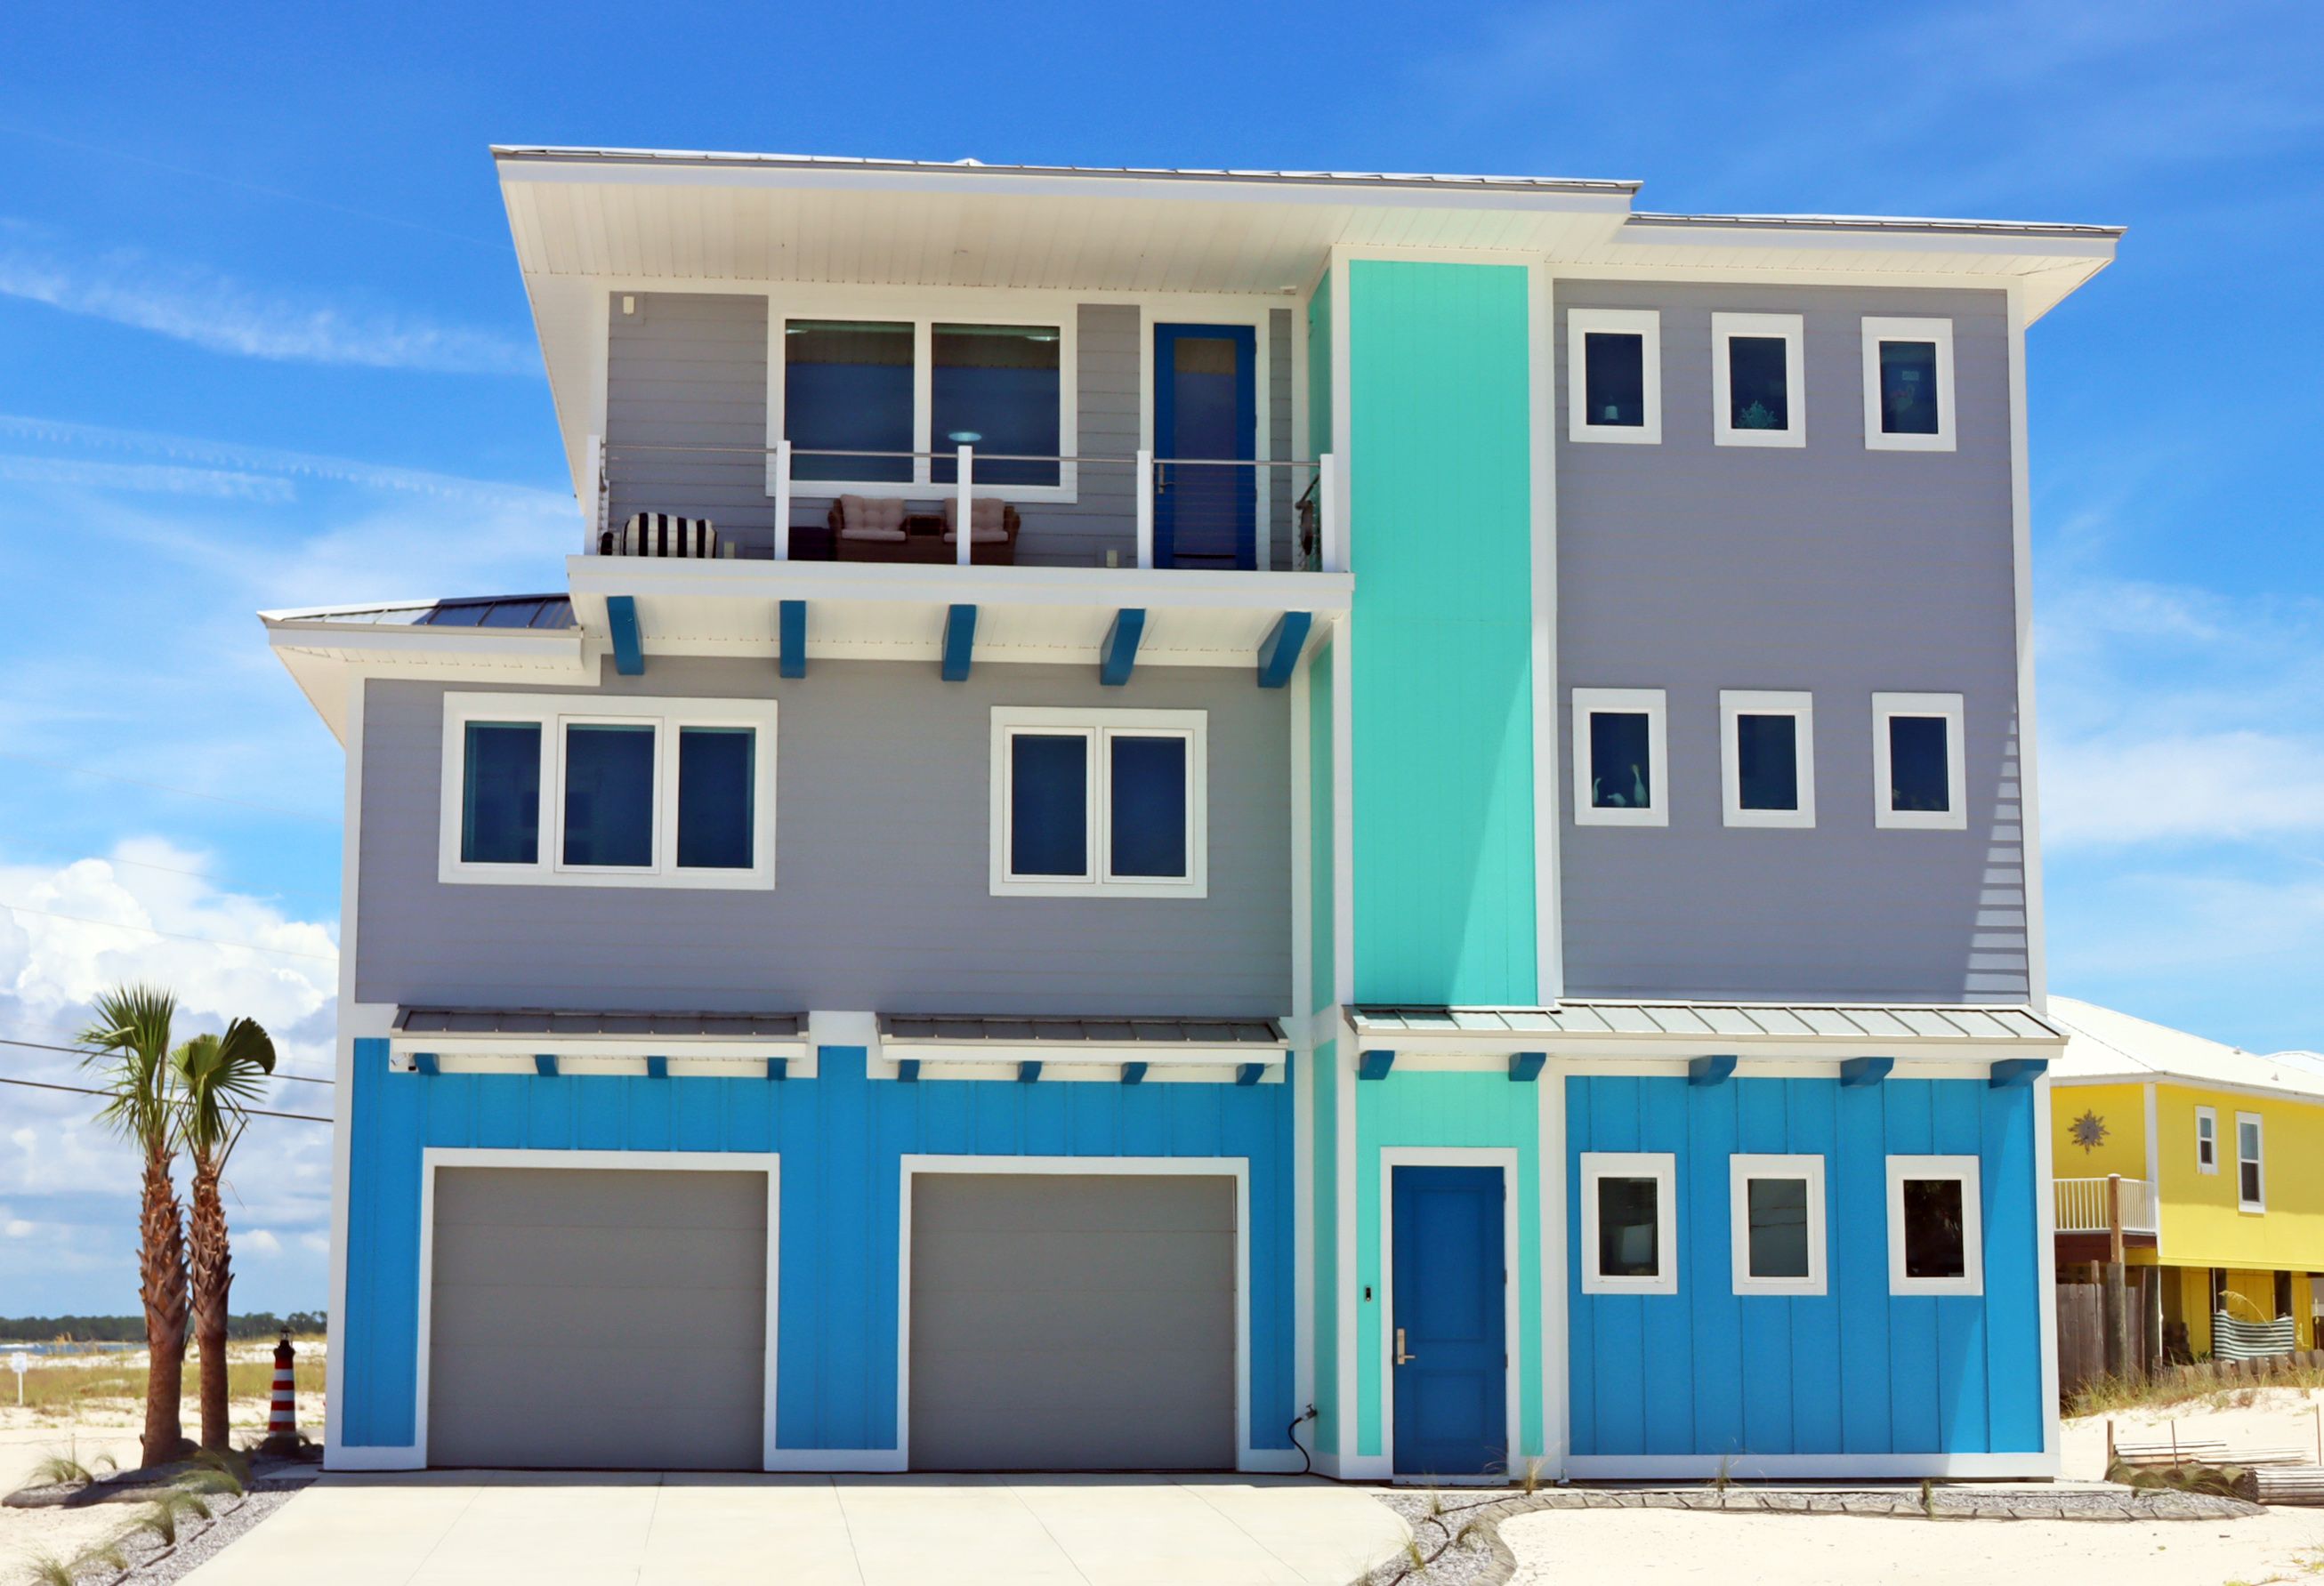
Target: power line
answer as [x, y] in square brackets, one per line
[68, 857]
[91, 1052]
[123, 924]
[42, 1084]
[86, 770]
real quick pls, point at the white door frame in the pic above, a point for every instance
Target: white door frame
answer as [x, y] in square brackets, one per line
[1237, 1168]
[1504, 1157]
[434, 1157]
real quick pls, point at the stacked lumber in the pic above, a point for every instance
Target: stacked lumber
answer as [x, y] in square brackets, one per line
[2289, 1484]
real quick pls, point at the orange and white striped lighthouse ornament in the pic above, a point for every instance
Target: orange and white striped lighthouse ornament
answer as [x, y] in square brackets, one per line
[283, 1417]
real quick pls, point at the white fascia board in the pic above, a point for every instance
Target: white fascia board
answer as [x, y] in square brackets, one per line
[1621, 1046]
[947, 584]
[325, 658]
[499, 1044]
[1062, 1054]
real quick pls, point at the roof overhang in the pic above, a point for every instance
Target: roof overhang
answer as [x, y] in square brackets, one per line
[1210, 1051]
[899, 611]
[325, 649]
[1623, 1032]
[675, 1046]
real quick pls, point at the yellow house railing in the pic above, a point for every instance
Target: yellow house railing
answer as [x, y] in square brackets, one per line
[2081, 1205]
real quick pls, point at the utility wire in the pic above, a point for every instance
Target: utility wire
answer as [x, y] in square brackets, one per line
[123, 924]
[68, 857]
[66, 765]
[92, 1052]
[42, 1084]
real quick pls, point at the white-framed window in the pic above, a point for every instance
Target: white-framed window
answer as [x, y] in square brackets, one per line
[1099, 803]
[1758, 390]
[1620, 751]
[2251, 1163]
[1920, 775]
[1936, 1226]
[2206, 1140]
[1908, 385]
[875, 397]
[592, 791]
[1778, 1209]
[1614, 374]
[1629, 1222]
[1767, 746]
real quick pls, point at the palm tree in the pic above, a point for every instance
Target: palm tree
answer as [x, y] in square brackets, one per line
[131, 1038]
[216, 1076]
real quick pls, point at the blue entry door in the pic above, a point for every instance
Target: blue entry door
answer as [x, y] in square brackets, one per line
[1205, 421]
[1449, 1337]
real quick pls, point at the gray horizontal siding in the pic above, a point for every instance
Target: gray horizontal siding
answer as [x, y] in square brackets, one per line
[1693, 568]
[690, 369]
[882, 898]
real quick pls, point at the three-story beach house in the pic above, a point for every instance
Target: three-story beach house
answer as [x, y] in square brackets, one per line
[1177, 819]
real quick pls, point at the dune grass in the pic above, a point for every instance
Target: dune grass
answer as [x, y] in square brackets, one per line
[2111, 1395]
[57, 1389]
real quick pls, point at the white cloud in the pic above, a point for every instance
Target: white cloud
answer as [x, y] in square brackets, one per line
[259, 1240]
[222, 314]
[152, 477]
[2198, 787]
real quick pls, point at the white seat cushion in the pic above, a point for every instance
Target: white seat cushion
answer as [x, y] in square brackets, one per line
[875, 517]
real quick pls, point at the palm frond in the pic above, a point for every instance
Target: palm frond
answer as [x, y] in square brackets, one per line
[130, 1038]
[217, 1076]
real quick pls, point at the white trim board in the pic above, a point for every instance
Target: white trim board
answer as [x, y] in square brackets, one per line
[433, 1159]
[1811, 1467]
[1504, 1157]
[1097, 728]
[1237, 1168]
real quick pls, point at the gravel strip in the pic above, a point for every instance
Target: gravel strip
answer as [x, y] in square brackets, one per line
[1478, 1557]
[153, 1562]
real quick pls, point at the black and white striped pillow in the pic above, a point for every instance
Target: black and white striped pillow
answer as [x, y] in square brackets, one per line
[660, 534]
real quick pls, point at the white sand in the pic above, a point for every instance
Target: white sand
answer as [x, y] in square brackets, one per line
[2274, 1417]
[1661, 1547]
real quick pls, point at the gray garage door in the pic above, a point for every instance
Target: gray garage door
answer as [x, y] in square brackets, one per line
[599, 1319]
[1072, 1322]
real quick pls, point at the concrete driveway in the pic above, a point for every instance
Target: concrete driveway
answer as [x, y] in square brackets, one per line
[579, 1530]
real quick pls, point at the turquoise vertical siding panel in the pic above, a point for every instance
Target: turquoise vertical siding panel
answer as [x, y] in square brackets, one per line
[1720, 1343]
[1810, 1113]
[1322, 859]
[2014, 1270]
[842, 1139]
[1325, 1079]
[1441, 534]
[1855, 1370]
[1319, 368]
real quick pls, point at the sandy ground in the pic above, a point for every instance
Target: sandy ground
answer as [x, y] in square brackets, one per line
[2248, 1417]
[1662, 1547]
[107, 1426]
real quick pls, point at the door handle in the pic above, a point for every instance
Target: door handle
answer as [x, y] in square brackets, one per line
[1402, 1354]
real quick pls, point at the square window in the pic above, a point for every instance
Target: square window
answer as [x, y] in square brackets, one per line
[1614, 382]
[847, 388]
[995, 387]
[1935, 1228]
[1097, 803]
[1619, 754]
[1768, 755]
[609, 795]
[1758, 391]
[1048, 804]
[1908, 384]
[2251, 1177]
[2207, 1140]
[716, 797]
[1918, 776]
[1147, 809]
[500, 799]
[1630, 1230]
[1777, 1204]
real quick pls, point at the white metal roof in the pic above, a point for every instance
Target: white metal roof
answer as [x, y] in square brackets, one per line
[2102, 1044]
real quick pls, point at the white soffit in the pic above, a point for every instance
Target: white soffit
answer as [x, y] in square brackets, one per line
[324, 652]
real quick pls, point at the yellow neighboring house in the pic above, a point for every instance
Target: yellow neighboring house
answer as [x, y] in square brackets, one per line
[2221, 1154]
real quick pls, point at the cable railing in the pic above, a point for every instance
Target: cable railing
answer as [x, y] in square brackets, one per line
[793, 502]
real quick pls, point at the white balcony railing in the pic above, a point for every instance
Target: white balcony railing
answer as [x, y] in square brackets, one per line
[1139, 510]
[2083, 1206]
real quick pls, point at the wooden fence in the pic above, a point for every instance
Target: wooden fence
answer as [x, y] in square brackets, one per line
[2081, 1329]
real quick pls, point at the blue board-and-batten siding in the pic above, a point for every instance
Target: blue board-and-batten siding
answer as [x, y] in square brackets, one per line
[1855, 1370]
[841, 1138]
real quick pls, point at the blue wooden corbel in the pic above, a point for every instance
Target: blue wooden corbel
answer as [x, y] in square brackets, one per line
[2009, 1072]
[1278, 655]
[544, 1064]
[1709, 1070]
[959, 642]
[622, 623]
[1027, 1072]
[1119, 654]
[1374, 1065]
[657, 1068]
[790, 627]
[1528, 1065]
[1857, 1072]
[1133, 1073]
[908, 1069]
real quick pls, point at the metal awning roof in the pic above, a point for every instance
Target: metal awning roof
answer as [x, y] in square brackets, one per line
[624, 1026]
[1161, 1033]
[1853, 1026]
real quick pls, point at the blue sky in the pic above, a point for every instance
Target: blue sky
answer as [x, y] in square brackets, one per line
[263, 342]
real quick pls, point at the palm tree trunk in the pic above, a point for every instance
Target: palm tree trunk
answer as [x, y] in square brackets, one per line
[212, 1275]
[161, 1275]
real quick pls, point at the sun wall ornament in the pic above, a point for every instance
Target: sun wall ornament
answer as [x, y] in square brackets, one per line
[2090, 1131]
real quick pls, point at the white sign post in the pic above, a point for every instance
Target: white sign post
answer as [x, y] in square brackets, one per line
[17, 1361]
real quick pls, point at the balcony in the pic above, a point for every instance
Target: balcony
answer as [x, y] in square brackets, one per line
[1135, 510]
[1120, 560]
[2083, 1206]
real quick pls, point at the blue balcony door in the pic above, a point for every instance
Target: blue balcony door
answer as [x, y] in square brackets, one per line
[1205, 421]
[1449, 1339]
